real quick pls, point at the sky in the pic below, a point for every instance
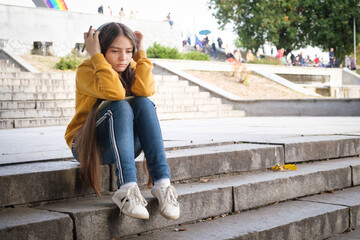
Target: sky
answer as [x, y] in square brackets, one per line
[190, 15]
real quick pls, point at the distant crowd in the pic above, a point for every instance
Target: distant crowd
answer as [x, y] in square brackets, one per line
[290, 59]
[108, 11]
[285, 58]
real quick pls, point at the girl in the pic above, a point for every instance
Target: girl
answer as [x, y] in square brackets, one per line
[114, 120]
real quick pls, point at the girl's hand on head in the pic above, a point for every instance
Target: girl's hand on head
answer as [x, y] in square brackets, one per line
[92, 44]
[140, 38]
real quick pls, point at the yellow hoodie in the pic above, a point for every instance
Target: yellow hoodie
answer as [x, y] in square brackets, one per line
[96, 79]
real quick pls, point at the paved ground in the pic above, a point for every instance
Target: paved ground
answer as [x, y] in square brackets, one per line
[34, 144]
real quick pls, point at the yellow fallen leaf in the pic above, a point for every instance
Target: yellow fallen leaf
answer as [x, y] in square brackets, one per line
[284, 167]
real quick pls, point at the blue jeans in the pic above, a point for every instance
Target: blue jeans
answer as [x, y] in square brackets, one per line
[124, 129]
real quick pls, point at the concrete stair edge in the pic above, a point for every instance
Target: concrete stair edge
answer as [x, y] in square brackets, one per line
[187, 162]
[296, 219]
[198, 200]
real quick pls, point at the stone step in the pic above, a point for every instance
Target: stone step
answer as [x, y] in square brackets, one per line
[205, 110]
[198, 115]
[36, 89]
[16, 96]
[37, 76]
[178, 89]
[5, 65]
[40, 79]
[70, 88]
[187, 101]
[20, 92]
[310, 218]
[184, 164]
[34, 122]
[4, 61]
[348, 235]
[49, 104]
[9, 69]
[68, 103]
[160, 77]
[37, 113]
[63, 121]
[202, 200]
[29, 223]
[36, 82]
[183, 95]
[171, 83]
[58, 80]
[194, 108]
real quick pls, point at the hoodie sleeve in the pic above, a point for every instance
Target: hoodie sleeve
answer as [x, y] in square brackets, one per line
[144, 84]
[96, 78]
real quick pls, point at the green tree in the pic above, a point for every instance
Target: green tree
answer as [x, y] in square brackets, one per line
[290, 24]
[330, 24]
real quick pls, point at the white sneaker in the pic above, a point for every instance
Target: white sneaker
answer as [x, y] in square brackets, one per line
[168, 205]
[131, 202]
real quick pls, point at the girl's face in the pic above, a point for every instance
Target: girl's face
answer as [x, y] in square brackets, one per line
[119, 53]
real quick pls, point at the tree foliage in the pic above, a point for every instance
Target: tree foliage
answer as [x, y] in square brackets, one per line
[291, 24]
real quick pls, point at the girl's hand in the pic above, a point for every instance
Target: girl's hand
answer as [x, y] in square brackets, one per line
[140, 38]
[92, 44]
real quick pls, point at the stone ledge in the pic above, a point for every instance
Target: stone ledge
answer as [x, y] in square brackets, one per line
[309, 148]
[6, 54]
[288, 220]
[25, 223]
[349, 197]
[210, 160]
[205, 199]
[105, 213]
[36, 182]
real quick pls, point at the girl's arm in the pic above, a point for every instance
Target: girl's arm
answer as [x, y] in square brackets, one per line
[144, 84]
[95, 77]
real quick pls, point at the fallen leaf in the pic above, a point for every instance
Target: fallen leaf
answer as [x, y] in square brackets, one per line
[205, 180]
[284, 167]
[180, 229]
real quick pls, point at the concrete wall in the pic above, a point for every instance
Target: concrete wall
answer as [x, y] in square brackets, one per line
[299, 107]
[350, 77]
[276, 107]
[333, 75]
[21, 26]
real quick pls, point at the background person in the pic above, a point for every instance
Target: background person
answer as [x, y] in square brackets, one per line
[331, 57]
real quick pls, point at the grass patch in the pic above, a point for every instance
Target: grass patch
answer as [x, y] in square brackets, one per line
[70, 62]
[159, 51]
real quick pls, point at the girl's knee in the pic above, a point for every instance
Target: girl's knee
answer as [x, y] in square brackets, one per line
[142, 102]
[117, 108]
[121, 105]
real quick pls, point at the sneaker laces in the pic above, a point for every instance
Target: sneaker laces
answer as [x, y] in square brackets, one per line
[134, 196]
[170, 197]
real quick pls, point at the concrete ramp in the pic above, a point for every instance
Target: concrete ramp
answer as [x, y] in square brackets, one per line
[284, 82]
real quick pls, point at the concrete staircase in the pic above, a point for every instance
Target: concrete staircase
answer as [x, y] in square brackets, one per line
[48, 99]
[227, 190]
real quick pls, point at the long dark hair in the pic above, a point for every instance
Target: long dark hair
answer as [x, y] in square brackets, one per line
[86, 139]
